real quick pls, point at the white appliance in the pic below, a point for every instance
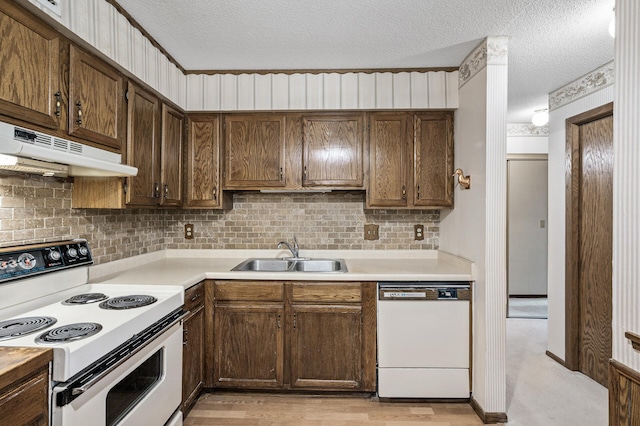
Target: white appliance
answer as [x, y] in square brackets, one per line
[423, 340]
[117, 348]
[26, 150]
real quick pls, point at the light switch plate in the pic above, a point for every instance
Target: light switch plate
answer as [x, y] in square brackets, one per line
[371, 232]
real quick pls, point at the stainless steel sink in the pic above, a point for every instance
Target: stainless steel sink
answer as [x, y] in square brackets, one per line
[292, 265]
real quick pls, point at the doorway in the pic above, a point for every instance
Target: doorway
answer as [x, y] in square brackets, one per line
[589, 242]
[527, 236]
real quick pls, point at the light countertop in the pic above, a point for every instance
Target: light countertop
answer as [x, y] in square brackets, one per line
[189, 267]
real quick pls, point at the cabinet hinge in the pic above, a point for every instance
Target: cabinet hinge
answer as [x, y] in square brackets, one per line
[369, 126]
[224, 126]
[126, 95]
[125, 186]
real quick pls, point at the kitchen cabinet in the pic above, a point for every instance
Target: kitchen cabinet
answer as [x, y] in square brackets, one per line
[410, 160]
[171, 156]
[143, 150]
[249, 336]
[203, 174]
[254, 151]
[333, 150]
[294, 335]
[96, 100]
[193, 346]
[26, 402]
[30, 88]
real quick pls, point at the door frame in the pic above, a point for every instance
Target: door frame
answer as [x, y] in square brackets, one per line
[520, 157]
[572, 231]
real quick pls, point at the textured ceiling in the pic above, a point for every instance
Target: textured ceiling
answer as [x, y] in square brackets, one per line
[552, 42]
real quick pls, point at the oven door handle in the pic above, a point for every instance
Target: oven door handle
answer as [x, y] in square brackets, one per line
[68, 391]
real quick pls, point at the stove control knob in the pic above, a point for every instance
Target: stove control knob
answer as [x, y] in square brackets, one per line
[54, 255]
[83, 251]
[72, 252]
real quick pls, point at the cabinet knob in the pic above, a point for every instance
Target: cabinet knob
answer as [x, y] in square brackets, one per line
[215, 193]
[156, 190]
[79, 119]
[294, 320]
[404, 193]
[418, 192]
[58, 97]
[281, 174]
[196, 297]
[166, 191]
[278, 320]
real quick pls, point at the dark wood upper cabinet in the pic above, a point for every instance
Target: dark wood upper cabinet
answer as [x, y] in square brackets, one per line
[254, 146]
[30, 87]
[433, 153]
[142, 147]
[96, 95]
[410, 160]
[333, 150]
[389, 159]
[203, 188]
[171, 157]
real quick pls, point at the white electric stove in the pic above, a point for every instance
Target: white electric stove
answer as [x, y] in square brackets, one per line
[117, 348]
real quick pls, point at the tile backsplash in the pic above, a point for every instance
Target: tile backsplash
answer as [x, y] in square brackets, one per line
[36, 209]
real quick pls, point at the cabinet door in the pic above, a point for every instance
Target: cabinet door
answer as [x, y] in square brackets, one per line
[433, 168]
[254, 151]
[332, 149]
[30, 68]
[326, 346]
[171, 152]
[95, 100]
[192, 358]
[389, 160]
[203, 161]
[142, 147]
[249, 352]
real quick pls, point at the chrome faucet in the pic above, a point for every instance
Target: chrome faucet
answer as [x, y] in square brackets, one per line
[294, 250]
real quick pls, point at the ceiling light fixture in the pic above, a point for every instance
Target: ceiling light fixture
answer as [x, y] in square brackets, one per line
[612, 24]
[540, 117]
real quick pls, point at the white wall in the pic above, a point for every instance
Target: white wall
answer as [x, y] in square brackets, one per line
[476, 228]
[527, 144]
[626, 176]
[556, 231]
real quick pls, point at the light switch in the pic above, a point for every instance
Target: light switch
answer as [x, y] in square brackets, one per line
[542, 224]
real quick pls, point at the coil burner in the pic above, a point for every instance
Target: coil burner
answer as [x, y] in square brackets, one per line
[128, 302]
[10, 329]
[83, 299]
[68, 333]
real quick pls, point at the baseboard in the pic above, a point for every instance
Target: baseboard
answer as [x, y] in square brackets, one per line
[528, 296]
[556, 358]
[487, 418]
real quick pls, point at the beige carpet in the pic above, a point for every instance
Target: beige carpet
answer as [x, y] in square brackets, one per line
[541, 392]
[528, 307]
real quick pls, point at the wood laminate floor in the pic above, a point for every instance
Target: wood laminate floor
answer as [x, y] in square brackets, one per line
[303, 410]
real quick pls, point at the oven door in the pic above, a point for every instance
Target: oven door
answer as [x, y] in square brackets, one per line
[145, 389]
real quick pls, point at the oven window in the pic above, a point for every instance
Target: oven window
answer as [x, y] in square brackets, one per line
[124, 396]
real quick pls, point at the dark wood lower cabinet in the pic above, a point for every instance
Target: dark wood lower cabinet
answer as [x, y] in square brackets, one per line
[326, 346]
[193, 346]
[249, 350]
[26, 402]
[624, 395]
[293, 335]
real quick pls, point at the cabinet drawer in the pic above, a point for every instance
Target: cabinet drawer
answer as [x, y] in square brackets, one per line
[27, 403]
[326, 292]
[194, 297]
[249, 290]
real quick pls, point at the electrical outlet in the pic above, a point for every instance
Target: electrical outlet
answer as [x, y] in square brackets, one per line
[188, 231]
[371, 232]
[418, 232]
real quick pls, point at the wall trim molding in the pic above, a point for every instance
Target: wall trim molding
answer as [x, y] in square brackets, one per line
[526, 129]
[491, 51]
[487, 418]
[589, 83]
[555, 357]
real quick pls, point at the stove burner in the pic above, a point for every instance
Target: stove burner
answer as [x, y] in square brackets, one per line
[86, 298]
[17, 327]
[68, 333]
[128, 302]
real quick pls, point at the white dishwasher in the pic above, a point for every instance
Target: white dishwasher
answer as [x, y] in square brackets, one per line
[423, 339]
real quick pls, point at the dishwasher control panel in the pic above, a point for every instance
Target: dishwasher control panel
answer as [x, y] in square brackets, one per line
[424, 291]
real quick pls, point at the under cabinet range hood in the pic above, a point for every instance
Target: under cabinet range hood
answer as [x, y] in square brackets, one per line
[26, 150]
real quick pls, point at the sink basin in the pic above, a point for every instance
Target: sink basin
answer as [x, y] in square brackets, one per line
[292, 265]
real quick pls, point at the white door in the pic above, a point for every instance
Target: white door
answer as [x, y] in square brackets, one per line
[527, 227]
